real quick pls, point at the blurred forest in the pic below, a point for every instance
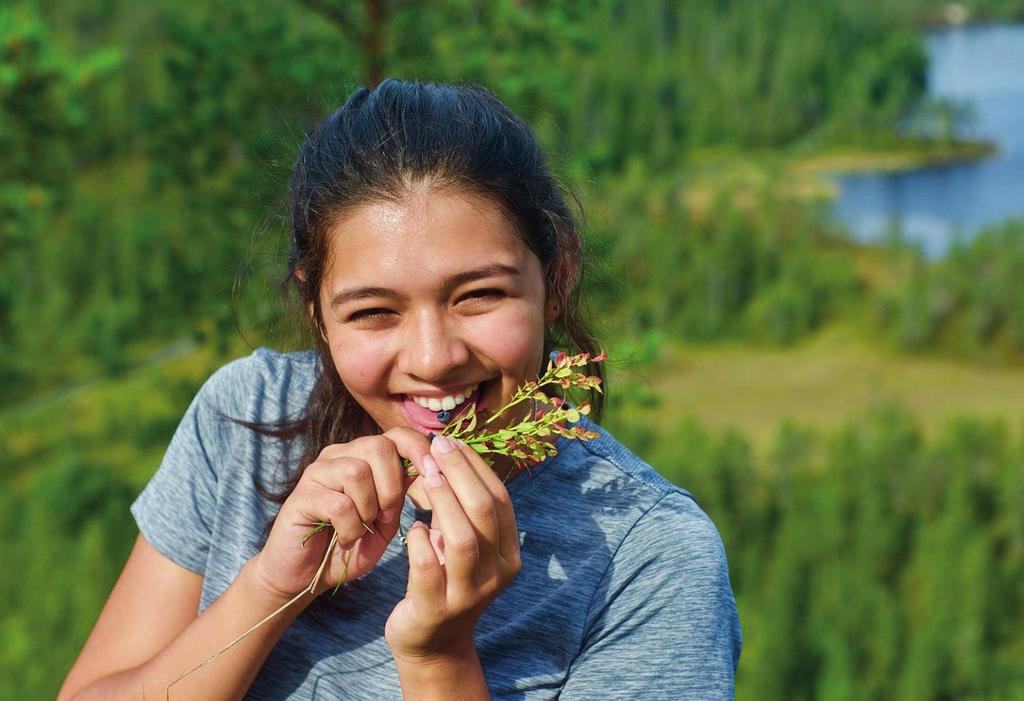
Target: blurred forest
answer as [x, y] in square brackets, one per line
[144, 154]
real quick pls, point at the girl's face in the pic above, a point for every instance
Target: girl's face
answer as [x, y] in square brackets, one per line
[430, 304]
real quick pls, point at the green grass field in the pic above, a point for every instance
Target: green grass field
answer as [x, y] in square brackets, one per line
[822, 383]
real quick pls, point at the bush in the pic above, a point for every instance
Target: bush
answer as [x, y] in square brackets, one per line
[67, 534]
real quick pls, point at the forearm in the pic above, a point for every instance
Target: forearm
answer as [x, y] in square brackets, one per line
[229, 676]
[459, 677]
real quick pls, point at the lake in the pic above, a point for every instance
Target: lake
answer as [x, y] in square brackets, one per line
[982, 66]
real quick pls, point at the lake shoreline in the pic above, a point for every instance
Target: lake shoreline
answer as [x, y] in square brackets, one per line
[810, 175]
[912, 156]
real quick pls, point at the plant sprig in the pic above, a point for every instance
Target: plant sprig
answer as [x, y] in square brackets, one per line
[522, 441]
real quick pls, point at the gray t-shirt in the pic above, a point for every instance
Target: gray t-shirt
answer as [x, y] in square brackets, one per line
[624, 589]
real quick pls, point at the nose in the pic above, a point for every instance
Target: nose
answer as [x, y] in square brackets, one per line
[432, 347]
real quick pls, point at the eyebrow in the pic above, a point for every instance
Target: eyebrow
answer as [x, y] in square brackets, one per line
[449, 283]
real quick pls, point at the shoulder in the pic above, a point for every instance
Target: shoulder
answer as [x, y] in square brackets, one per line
[666, 577]
[606, 463]
[637, 512]
[258, 386]
[660, 521]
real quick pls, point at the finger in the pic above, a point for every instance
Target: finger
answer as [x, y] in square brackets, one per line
[317, 504]
[437, 540]
[475, 498]
[353, 478]
[426, 586]
[508, 530]
[461, 547]
[411, 445]
[388, 476]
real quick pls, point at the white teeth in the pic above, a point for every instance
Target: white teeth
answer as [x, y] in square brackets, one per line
[446, 403]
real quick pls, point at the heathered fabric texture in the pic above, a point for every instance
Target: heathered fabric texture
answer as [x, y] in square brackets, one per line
[624, 590]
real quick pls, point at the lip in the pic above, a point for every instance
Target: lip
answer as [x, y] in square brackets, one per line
[425, 420]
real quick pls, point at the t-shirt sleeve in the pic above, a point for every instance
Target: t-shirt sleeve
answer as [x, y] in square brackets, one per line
[175, 511]
[664, 624]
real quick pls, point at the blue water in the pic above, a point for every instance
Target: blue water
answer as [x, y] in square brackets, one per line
[984, 67]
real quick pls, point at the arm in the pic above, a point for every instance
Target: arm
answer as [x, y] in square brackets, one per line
[664, 624]
[149, 630]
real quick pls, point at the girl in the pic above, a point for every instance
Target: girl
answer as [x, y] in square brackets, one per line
[437, 262]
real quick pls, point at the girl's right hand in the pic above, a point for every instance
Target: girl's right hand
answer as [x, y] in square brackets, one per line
[348, 485]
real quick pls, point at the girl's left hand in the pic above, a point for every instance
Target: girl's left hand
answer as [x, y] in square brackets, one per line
[474, 513]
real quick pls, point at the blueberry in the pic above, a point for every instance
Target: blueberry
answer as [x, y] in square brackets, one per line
[553, 354]
[444, 416]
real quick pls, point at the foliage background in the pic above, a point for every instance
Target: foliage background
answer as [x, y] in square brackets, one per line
[144, 150]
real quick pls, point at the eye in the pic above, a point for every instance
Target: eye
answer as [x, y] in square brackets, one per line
[483, 294]
[374, 314]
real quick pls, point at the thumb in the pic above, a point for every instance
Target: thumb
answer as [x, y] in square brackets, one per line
[411, 445]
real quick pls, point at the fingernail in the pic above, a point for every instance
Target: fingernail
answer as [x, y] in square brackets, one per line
[388, 515]
[431, 472]
[415, 524]
[440, 444]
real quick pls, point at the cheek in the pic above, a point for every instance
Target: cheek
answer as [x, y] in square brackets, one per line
[514, 341]
[361, 364]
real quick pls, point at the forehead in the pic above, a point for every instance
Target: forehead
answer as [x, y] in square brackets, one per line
[425, 236]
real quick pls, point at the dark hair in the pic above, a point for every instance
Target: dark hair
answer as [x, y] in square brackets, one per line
[380, 145]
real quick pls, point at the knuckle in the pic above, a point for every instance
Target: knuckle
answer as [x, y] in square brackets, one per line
[423, 562]
[395, 432]
[390, 496]
[502, 500]
[383, 451]
[312, 470]
[479, 509]
[354, 470]
[462, 606]
[370, 444]
[461, 543]
[399, 434]
[332, 451]
[305, 487]
[335, 504]
[489, 587]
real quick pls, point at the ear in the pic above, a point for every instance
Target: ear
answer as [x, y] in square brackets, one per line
[551, 309]
[309, 307]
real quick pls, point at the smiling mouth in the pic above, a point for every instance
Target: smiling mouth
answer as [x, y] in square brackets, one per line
[422, 416]
[446, 403]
